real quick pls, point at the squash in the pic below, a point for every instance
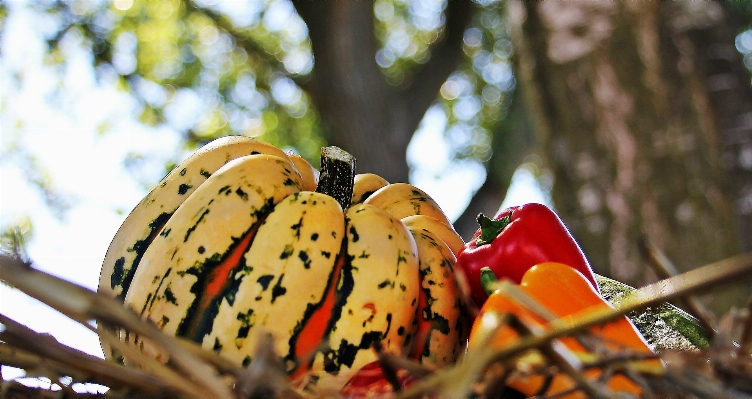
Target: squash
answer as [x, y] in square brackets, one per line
[241, 239]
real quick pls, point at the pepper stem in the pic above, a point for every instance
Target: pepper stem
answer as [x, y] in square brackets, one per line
[490, 228]
[487, 280]
[337, 175]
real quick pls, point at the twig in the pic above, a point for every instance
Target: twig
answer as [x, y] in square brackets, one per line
[561, 356]
[398, 362]
[547, 381]
[390, 372]
[653, 294]
[614, 358]
[637, 378]
[495, 381]
[15, 390]
[746, 337]
[664, 268]
[82, 305]
[150, 365]
[22, 359]
[265, 377]
[223, 365]
[42, 350]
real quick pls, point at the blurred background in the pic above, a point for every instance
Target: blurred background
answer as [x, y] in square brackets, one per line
[629, 118]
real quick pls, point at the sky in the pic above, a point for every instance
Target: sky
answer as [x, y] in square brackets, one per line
[60, 125]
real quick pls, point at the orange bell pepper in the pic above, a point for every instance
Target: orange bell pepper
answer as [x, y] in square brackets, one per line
[564, 292]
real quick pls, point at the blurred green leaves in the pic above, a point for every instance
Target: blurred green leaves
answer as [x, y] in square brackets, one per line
[475, 97]
[198, 69]
[215, 68]
[14, 237]
[210, 68]
[38, 177]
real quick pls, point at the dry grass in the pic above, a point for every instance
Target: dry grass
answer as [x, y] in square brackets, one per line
[722, 370]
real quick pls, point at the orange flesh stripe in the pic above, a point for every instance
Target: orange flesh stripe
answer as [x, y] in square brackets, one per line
[221, 274]
[312, 333]
[220, 277]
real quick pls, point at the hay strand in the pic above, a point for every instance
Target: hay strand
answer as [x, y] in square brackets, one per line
[723, 370]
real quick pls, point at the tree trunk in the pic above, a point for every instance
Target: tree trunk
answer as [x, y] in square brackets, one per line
[512, 141]
[361, 112]
[639, 107]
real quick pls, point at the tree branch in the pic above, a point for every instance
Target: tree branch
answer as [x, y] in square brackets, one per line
[306, 11]
[486, 200]
[344, 45]
[446, 55]
[512, 140]
[311, 12]
[242, 40]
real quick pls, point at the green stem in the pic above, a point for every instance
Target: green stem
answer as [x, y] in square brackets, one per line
[490, 228]
[487, 280]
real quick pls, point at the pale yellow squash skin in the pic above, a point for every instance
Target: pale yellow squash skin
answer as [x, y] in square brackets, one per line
[366, 184]
[146, 219]
[402, 200]
[178, 185]
[442, 230]
[445, 310]
[385, 276]
[307, 172]
[205, 225]
[306, 223]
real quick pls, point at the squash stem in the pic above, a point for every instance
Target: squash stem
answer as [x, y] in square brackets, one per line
[337, 175]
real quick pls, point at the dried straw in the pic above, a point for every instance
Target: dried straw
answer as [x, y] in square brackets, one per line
[723, 370]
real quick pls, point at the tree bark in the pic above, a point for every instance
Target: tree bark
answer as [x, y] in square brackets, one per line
[635, 105]
[360, 111]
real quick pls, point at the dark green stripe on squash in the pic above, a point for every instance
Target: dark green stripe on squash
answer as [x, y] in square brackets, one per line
[215, 281]
[122, 276]
[345, 354]
[278, 290]
[152, 296]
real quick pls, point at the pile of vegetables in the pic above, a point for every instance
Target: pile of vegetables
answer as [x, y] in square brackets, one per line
[297, 282]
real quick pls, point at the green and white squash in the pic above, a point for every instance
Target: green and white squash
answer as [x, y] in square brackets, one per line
[241, 239]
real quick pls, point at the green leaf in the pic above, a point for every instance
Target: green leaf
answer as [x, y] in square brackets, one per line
[490, 228]
[665, 326]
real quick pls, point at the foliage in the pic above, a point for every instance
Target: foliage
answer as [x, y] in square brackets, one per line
[475, 97]
[198, 71]
[38, 177]
[13, 240]
[209, 70]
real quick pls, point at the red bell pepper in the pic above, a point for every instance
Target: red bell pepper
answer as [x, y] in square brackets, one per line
[514, 241]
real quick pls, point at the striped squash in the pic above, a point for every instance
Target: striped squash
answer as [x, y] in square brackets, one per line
[242, 238]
